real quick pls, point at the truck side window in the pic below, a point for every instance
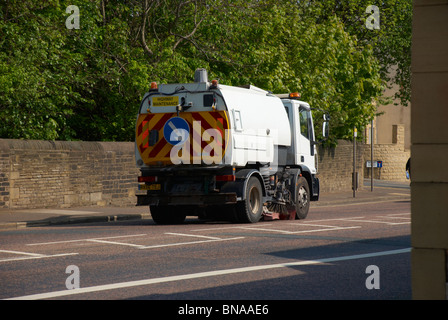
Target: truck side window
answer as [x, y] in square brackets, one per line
[304, 122]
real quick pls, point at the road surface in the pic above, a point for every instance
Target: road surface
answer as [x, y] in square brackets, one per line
[359, 251]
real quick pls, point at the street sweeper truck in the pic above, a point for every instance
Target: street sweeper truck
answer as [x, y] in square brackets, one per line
[216, 151]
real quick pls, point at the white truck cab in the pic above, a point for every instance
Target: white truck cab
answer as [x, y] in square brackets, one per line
[303, 146]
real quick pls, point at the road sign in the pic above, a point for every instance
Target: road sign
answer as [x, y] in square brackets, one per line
[376, 164]
[176, 131]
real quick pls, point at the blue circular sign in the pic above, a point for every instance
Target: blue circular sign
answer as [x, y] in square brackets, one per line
[176, 131]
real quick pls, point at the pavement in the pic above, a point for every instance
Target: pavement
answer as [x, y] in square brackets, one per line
[11, 219]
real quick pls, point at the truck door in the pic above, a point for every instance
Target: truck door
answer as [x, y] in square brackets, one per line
[305, 136]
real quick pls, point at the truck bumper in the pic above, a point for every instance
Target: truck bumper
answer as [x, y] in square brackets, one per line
[187, 199]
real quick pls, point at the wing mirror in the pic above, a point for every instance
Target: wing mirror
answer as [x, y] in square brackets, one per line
[326, 126]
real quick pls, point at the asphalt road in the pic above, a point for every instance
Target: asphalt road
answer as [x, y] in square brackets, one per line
[327, 256]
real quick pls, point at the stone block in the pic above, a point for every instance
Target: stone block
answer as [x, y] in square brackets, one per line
[429, 215]
[428, 274]
[14, 193]
[430, 114]
[429, 163]
[95, 197]
[70, 199]
[429, 38]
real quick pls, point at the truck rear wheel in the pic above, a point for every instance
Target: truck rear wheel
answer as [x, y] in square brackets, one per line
[167, 214]
[303, 198]
[250, 210]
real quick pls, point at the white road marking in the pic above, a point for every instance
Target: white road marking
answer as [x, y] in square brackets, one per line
[404, 218]
[81, 240]
[356, 203]
[57, 211]
[376, 221]
[396, 216]
[222, 228]
[192, 235]
[330, 228]
[121, 285]
[362, 219]
[187, 243]
[24, 253]
[320, 225]
[325, 220]
[115, 243]
[139, 246]
[38, 257]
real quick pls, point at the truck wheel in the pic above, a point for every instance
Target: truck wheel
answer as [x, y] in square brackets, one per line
[303, 198]
[250, 210]
[167, 215]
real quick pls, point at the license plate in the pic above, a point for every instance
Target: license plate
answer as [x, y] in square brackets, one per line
[165, 101]
[149, 187]
[188, 187]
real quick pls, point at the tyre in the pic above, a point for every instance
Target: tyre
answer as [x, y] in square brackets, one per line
[250, 210]
[303, 198]
[167, 214]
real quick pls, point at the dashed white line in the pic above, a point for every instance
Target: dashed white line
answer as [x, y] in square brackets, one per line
[193, 235]
[334, 219]
[222, 228]
[115, 243]
[327, 229]
[187, 243]
[81, 240]
[376, 221]
[24, 253]
[37, 256]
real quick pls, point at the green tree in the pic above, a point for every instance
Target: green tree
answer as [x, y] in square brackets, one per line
[391, 42]
[273, 45]
[59, 83]
[34, 96]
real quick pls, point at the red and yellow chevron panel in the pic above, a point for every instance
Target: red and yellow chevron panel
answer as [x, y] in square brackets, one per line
[201, 144]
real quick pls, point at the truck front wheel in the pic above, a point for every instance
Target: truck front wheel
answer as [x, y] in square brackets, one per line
[303, 198]
[250, 210]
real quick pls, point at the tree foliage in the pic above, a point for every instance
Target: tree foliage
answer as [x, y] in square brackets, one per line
[391, 42]
[86, 83]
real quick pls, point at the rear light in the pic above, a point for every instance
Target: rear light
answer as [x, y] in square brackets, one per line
[227, 177]
[147, 179]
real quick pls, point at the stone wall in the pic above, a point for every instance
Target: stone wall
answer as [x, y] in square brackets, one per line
[38, 174]
[393, 155]
[335, 167]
